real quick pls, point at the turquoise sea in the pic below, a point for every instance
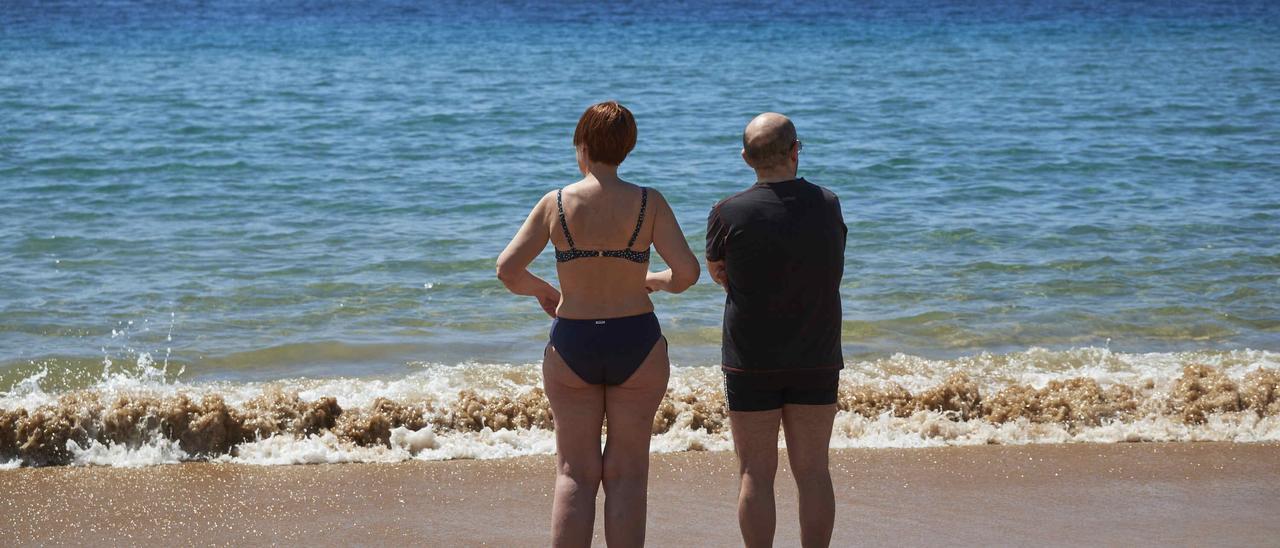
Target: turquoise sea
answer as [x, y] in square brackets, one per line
[213, 198]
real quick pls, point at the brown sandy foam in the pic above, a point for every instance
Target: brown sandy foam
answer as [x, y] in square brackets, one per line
[1123, 494]
[207, 426]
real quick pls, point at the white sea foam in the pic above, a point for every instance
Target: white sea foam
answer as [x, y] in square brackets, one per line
[484, 411]
[405, 444]
[316, 449]
[156, 450]
[931, 429]
[491, 444]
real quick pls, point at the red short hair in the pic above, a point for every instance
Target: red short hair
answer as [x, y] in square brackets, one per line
[608, 131]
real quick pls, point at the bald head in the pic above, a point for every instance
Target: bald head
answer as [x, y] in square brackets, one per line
[767, 140]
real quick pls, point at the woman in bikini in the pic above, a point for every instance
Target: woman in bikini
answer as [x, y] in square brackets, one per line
[606, 356]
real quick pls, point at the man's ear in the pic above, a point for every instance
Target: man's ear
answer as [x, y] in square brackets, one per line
[745, 159]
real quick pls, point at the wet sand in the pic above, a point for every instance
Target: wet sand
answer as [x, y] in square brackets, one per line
[1120, 494]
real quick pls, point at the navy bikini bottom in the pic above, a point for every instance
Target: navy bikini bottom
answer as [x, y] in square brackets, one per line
[605, 351]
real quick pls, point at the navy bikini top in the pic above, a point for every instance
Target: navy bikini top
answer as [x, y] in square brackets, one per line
[574, 253]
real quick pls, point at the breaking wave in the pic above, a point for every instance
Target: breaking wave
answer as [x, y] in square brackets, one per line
[496, 410]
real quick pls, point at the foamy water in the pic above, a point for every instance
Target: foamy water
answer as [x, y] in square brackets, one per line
[484, 411]
[234, 190]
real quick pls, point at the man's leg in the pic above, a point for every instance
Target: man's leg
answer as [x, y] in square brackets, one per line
[755, 439]
[808, 432]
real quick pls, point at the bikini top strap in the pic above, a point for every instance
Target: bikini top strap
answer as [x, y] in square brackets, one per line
[564, 225]
[644, 200]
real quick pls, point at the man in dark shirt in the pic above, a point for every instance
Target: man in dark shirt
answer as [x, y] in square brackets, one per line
[778, 250]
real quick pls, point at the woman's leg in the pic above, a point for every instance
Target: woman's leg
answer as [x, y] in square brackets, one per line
[578, 409]
[630, 407]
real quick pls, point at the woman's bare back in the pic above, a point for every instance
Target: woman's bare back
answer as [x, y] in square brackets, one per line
[603, 216]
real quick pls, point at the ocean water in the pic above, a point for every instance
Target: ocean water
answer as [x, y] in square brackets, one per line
[216, 217]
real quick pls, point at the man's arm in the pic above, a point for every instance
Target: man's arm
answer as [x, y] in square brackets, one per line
[718, 273]
[717, 234]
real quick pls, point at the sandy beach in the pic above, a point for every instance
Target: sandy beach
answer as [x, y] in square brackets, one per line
[253, 286]
[1117, 494]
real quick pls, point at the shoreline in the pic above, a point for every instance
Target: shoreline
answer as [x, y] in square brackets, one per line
[1117, 494]
[498, 411]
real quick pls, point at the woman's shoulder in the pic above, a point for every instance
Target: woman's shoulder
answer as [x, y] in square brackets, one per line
[653, 198]
[545, 204]
[653, 193]
[548, 198]
[650, 192]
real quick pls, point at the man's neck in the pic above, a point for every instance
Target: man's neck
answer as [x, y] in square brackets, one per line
[765, 177]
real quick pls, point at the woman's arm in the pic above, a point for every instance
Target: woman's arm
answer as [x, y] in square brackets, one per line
[669, 240]
[514, 261]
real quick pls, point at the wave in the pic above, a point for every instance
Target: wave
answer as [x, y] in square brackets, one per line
[482, 411]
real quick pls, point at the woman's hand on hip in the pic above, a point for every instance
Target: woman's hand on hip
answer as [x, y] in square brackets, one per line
[549, 299]
[657, 281]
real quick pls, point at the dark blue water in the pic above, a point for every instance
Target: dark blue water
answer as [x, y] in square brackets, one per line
[263, 190]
